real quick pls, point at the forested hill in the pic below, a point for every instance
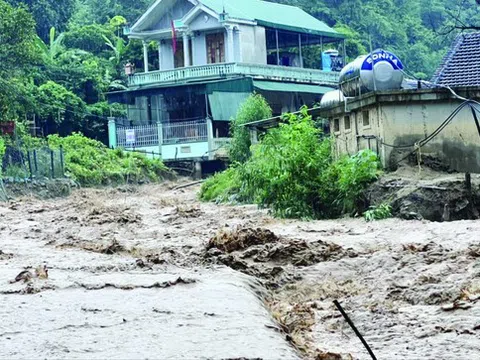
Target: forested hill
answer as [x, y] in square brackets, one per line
[418, 31]
[59, 58]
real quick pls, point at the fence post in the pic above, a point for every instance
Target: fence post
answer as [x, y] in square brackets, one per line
[35, 162]
[30, 165]
[52, 163]
[112, 133]
[62, 163]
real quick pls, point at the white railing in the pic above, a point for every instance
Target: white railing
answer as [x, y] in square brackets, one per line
[137, 136]
[194, 72]
[271, 72]
[183, 132]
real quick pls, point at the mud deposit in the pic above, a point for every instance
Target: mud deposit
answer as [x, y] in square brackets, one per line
[150, 272]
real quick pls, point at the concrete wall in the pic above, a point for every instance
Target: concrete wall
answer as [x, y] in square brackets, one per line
[404, 118]
[199, 48]
[253, 44]
[185, 151]
[205, 22]
[178, 11]
[166, 51]
[182, 151]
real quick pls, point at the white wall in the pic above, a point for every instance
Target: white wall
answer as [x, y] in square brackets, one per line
[177, 151]
[254, 44]
[205, 22]
[166, 51]
[199, 47]
[178, 11]
[185, 151]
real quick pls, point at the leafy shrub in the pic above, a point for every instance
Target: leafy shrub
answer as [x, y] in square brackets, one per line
[292, 172]
[92, 163]
[222, 186]
[2, 148]
[354, 174]
[381, 212]
[254, 108]
[285, 168]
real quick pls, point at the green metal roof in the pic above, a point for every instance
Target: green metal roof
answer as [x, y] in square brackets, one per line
[272, 15]
[290, 87]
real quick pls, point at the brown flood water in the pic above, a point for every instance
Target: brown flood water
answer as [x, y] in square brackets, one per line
[101, 302]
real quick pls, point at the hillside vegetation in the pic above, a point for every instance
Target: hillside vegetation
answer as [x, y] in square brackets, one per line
[59, 60]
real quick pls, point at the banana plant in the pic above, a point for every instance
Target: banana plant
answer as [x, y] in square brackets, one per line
[54, 48]
[118, 49]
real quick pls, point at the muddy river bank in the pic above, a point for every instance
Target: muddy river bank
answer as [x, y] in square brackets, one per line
[150, 272]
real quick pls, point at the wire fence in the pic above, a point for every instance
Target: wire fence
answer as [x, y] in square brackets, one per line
[38, 163]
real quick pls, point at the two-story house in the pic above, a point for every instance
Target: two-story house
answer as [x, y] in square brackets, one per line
[210, 55]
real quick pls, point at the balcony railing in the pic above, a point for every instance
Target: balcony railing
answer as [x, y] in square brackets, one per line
[214, 71]
[137, 136]
[184, 132]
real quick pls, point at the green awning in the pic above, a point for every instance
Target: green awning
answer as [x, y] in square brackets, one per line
[224, 105]
[290, 87]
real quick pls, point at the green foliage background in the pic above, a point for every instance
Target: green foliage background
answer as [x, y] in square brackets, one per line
[59, 58]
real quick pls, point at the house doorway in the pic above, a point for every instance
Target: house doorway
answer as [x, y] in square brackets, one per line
[179, 58]
[216, 48]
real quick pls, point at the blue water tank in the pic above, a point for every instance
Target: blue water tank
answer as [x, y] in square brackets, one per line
[381, 70]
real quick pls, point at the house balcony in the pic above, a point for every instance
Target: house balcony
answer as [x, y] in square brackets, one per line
[231, 70]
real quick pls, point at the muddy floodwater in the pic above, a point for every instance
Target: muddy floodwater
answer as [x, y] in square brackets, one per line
[134, 273]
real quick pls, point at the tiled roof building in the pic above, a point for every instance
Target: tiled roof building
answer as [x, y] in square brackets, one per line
[461, 65]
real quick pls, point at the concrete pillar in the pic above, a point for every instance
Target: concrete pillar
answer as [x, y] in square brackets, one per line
[160, 138]
[211, 154]
[198, 170]
[300, 49]
[278, 50]
[240, 45]
[159, 55]
[112, 133]
[254, 136]
[145, 56]
[192, 39]
[231, 50]
[186, 50]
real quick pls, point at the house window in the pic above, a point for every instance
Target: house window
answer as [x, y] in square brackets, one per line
[347, 123]
[216, 48]
[336, 125]
[366, 118]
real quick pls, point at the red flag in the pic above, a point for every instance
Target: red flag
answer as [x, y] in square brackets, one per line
[174, 38]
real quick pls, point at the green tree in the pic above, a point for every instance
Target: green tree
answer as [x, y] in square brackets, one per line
[254, 108]
[48, 14]
[60, 110]
[17, 56]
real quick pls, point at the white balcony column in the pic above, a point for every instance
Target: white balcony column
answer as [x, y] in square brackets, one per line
[186, 50]
[231, 50]
[278, 50]
[159, 55]
[240, 51]
[300, 49]
[145, 56]
[192, 39]
[211, 155]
